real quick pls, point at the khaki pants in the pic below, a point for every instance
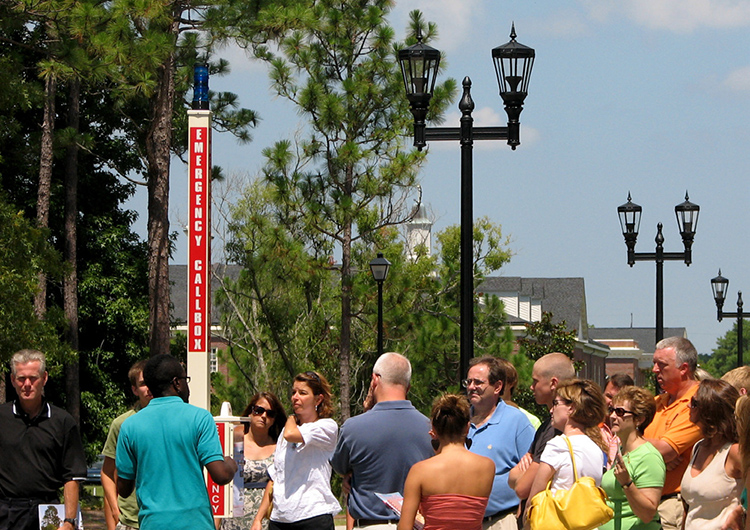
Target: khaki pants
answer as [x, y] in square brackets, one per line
[507, 522]
[670, 513]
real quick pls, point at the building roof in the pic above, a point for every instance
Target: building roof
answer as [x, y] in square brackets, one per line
[645, 337]
[565, 298]
[178, 289]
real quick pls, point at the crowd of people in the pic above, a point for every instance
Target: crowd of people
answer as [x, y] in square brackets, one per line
[677, 460]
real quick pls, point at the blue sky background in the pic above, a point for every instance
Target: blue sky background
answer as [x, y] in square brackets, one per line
[645, 96]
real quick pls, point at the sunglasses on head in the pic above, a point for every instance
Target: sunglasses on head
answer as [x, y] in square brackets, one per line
[258, 411]
[620, 411]
[313, 375]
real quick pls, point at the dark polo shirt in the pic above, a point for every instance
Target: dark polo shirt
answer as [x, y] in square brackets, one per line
[38, 455]
[544, 434]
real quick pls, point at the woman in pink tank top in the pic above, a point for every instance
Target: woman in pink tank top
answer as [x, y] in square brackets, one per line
[451, 489]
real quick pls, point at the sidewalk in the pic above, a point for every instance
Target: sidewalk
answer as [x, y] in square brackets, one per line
[94, 520]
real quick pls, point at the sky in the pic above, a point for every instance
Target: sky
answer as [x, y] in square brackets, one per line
[640, 96]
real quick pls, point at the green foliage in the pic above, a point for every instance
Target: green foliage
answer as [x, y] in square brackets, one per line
[348, 176]
[724, 356]
[24, 253]
[284, 307]
[278, 311]
[544, 337]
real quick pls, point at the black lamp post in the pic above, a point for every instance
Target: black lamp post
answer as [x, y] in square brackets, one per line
[419, 65]
[379, 268]
[719, 285]
[687, 220]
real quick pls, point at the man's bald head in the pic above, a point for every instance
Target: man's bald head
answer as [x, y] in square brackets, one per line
[548, 372]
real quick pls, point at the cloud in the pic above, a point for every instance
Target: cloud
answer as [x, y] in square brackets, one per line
[241, 61]
[678, 16]
[738, 80]
[561, 24]
[455, 20]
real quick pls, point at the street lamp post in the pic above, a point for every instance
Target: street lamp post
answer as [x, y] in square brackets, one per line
[379, 268]
[419, 65]
[719, 285]
[687, 221]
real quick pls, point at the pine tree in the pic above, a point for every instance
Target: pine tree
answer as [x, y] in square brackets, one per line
[349, 176]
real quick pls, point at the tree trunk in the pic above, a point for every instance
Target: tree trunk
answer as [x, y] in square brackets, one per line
[346, 325]
[158, 146]
[45, 180]
[70, 282]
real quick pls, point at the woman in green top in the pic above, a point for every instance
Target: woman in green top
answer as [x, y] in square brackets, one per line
[635, 481]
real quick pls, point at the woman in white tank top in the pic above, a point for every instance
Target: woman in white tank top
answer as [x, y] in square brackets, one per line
[712, 483]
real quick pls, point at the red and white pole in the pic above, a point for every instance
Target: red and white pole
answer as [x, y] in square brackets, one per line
[199, 243]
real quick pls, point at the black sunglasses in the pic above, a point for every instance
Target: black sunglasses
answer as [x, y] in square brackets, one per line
[313, 375]
[258, 411]
[620, 411]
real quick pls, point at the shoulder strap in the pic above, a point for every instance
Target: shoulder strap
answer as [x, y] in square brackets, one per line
[572, 458]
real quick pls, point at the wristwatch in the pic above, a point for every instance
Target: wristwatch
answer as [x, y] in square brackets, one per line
[73, 522]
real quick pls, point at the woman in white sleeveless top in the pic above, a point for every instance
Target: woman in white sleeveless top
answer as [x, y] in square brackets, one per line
[712, 483]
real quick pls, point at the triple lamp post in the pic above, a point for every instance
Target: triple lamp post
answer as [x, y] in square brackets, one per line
[419, 66]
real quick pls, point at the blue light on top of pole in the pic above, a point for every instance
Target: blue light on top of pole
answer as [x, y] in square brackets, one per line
[200, 87]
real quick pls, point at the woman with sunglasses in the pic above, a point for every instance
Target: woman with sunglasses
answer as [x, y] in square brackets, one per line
[300, 487]
[577, 411]
[267, 418]
[636, 478]
[712, 483]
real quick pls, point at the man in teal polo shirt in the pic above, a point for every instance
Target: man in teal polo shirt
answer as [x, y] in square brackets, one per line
[162, 450]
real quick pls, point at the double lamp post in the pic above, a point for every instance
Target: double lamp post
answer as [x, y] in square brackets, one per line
[687, 221]
[419, 66]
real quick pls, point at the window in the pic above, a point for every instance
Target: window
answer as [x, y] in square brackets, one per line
[213, 360]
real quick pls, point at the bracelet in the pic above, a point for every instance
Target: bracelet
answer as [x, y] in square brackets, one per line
[73, 522]
[626, 485]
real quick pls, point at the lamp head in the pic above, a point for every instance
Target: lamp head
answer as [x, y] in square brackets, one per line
[419, 65]
[687, 217]
[513, 64]
[379, 268]
[719, 286]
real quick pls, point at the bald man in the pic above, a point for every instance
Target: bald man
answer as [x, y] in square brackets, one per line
[548, 372]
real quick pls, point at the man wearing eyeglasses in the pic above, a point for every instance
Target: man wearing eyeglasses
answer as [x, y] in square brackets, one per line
[162, 450]
[379, 447]
[498, 431]
[41, 450]
[671, 430]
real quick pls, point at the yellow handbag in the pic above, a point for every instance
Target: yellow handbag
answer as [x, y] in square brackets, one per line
[582, 507]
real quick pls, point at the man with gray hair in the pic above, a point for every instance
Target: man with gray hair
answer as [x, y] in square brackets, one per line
[671, 431]
[41, 448]
[379, 447]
